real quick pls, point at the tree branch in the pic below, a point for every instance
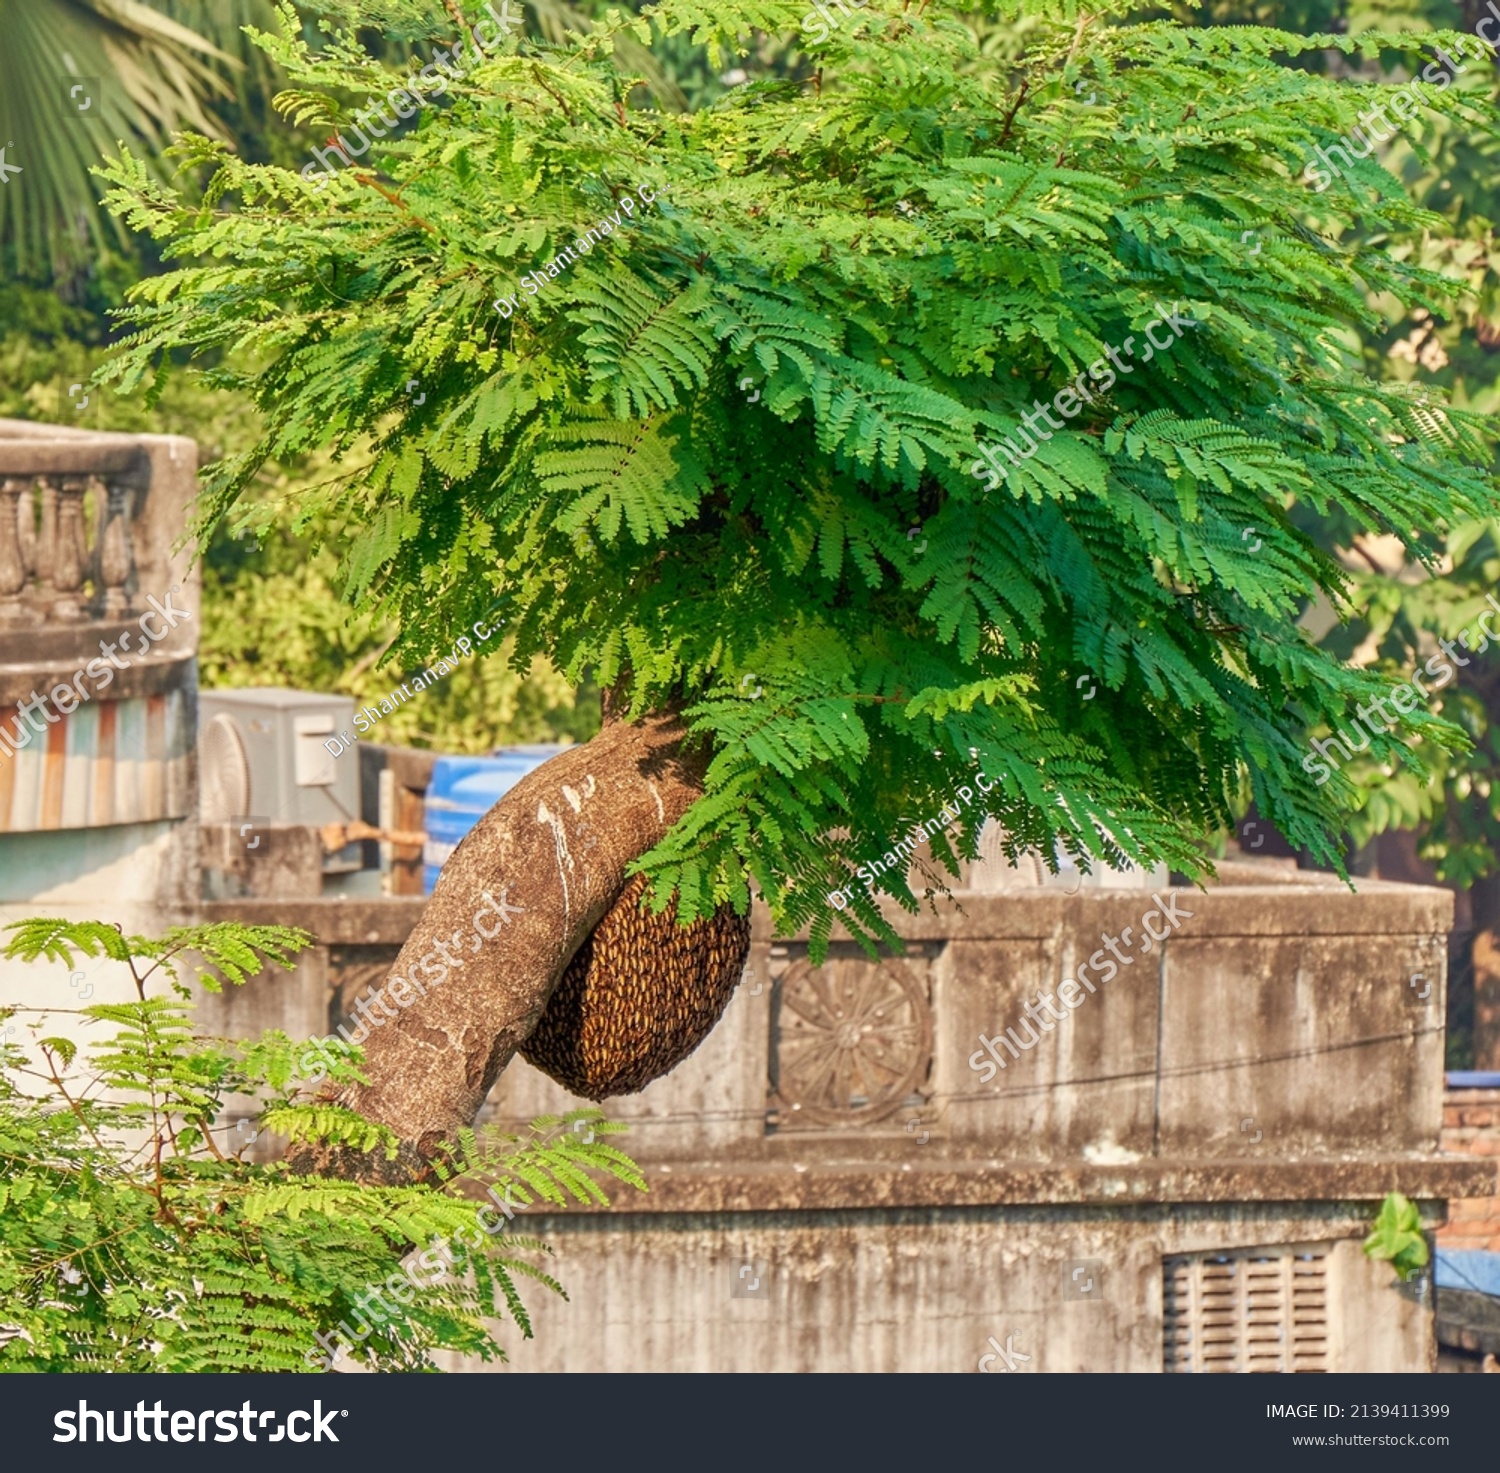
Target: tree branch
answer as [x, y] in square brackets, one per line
[542, 83]
[1010, 117]
[396, 200]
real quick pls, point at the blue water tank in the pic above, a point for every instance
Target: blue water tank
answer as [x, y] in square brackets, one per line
[1468, 1268]
[462, 790]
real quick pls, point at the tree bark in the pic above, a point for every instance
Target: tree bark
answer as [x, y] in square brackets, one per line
[516, 899]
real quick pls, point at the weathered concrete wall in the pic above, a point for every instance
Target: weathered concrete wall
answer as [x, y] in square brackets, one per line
[286, 863]
[1279, 1021]
[1275, 1020]
[1074, 1289]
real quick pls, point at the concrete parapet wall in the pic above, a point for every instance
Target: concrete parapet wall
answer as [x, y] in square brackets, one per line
[1214, 1126]
[1276, 1022]
[98, 799]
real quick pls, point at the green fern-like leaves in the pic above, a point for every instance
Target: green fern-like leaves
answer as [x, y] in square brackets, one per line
[738, 433]
[224, 949]
[134, 1236]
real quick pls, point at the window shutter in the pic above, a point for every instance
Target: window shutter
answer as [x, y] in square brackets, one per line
[1255, 1309]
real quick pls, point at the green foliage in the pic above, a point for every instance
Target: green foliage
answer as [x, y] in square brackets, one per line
[135, 1236]
[273, 615]
[223, 947]
[902, 254]
[1397, 625]
[1398, 615]
[140, 73]
[1397, 1237]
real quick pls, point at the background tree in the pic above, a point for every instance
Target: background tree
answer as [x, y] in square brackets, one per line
[1401, 613]
[783, 662]
[1400, 608]
[140, 74]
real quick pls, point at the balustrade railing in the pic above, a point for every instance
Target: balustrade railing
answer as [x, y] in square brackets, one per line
[89, 524]
[69, 509]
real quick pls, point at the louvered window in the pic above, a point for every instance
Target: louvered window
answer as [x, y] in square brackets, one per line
[1257, 1309]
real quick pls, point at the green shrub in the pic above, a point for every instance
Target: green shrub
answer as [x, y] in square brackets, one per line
[1397, 1237]
[134, 1236]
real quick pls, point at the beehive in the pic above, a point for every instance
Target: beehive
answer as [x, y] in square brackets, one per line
[638, 997]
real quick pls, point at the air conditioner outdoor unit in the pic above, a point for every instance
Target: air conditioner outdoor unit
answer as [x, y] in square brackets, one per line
[262, 753]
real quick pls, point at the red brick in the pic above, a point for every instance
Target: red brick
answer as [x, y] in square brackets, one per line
[1471, 1209]
[1484, 1145]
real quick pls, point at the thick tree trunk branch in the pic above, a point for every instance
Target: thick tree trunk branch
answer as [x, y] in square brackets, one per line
[519, 895]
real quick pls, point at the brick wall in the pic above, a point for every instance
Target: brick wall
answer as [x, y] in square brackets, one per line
[1471, 1127]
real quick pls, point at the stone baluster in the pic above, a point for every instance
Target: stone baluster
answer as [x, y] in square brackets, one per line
[26, 529]
[15, 496]
[88, 515]
[44, 550]
[69, 549]
[116, 552]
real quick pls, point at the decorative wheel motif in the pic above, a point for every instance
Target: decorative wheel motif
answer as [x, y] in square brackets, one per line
[853, 1040]
[353, 972]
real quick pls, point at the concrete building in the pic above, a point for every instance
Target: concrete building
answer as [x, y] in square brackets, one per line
[98, 800]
